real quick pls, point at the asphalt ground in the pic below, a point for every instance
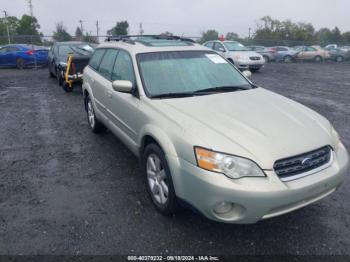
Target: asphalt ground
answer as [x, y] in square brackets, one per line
[65, 190]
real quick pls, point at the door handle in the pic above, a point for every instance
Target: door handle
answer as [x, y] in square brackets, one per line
[109, 93]
[92, 80]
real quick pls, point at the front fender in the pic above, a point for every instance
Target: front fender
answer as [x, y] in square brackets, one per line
[160, 137]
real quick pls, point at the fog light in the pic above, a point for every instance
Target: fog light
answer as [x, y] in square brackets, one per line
[223, 208]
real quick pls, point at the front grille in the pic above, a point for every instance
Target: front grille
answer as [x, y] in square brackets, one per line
[254, 58]
[299, 164]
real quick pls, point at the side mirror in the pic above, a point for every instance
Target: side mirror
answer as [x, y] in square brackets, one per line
[247, 74]
[123, 86]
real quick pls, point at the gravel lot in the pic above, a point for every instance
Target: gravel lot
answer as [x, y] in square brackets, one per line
[64, 190]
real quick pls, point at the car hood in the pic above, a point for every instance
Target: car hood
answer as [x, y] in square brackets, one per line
[256, 124]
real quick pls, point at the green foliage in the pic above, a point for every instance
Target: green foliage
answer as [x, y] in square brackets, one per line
[29, 26]
[61, 33]
[232, 36]
[275, 32]
[209, 35]
[121, 28]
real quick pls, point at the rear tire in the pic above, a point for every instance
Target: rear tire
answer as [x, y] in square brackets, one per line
[20, 63]
[158, 178]
[95, 125]
[339, 59]
[318, 59]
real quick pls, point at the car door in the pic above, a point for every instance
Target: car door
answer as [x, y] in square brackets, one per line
[308, 53]
[3, 56]
[8, 56]
[101, 80]
[124, 107]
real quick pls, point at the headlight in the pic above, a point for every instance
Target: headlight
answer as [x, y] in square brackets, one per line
[231, 166]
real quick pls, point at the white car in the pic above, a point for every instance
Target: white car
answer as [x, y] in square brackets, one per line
[237, 54]
[206, 135]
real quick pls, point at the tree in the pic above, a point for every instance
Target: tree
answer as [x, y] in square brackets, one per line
[232, 36]
[28, 28]
[167, 33]
[346, 37]
[121, 28]
[209, 35]
[12, 23]
[61, 33]
[78, 34]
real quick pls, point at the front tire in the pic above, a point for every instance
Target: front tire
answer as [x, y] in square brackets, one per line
[287, 59]
[95, 125]
[158, 180]
[59, 75]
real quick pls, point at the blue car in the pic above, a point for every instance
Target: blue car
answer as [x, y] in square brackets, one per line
[21, 56]
[285, 54]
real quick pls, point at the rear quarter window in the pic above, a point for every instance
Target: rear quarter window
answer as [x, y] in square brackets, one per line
[96, 58]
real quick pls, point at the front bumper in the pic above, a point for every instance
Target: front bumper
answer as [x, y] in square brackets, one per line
[254, 198]
[250, 64]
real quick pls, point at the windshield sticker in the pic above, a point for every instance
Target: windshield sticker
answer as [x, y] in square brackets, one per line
[216, 59]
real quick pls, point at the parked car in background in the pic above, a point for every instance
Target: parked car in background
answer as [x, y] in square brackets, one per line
[268, 53]
[312, 53]
[237, 54]
[285, 54]
[339, 54]
[22, 55]
[207, 136]
[58, 56]
[331, 46]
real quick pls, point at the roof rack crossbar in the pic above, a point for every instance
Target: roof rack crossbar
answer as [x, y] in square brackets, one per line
[127, 38]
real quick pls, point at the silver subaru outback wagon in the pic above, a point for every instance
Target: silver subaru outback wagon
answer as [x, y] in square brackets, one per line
[206, 135]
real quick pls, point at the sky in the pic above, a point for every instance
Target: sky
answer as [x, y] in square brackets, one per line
[181, 17]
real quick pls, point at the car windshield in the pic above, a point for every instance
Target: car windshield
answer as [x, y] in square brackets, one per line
[188, 72]
[235, 46]
[82, 49]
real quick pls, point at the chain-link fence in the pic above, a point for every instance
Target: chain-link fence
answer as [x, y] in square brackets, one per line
[48, 40]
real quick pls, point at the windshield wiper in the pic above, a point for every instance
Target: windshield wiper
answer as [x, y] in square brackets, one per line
[221, 89]
[175, 95]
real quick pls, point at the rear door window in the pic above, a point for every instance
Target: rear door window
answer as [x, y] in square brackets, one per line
[107, 63]
[96, 58]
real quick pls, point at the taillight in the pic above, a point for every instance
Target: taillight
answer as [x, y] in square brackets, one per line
[29, 52]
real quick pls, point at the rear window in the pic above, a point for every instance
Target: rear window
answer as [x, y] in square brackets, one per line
[96, 58]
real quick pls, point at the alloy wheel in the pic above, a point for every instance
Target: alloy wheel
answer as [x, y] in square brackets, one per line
[157, 179]
[91, 114]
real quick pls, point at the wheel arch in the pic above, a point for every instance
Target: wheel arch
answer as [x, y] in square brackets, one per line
[153, 134]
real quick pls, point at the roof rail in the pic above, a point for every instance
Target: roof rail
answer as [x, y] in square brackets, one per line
[128, 38]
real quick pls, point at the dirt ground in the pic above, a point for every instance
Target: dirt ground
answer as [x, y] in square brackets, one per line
[64, 190]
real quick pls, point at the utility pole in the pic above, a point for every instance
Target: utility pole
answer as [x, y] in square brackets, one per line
[97, 31]
[81, 25]
[30, 4]
[7, 27]
[141, 29]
